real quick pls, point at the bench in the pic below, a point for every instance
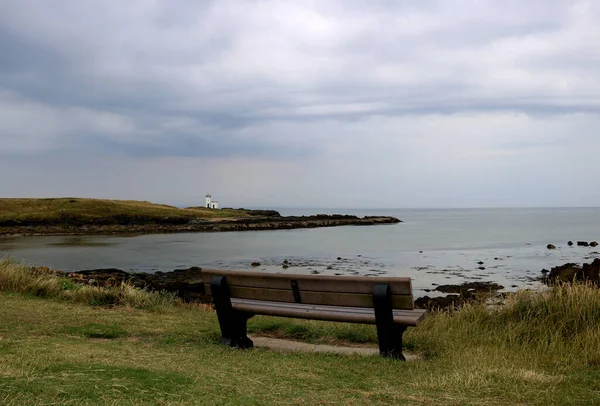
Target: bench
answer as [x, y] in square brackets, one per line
[386, 302]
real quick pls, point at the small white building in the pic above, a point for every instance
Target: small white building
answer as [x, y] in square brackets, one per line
[211, 204]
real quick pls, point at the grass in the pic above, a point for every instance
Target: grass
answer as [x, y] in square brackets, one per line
[18, 278]
[78, 211]
[538, 348]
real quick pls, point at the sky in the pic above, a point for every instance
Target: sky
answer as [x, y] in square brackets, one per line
[324, 104]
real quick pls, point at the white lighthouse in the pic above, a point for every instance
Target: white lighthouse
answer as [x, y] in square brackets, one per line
[209, 203]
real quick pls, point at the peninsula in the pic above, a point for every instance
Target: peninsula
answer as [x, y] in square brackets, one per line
[83, 216]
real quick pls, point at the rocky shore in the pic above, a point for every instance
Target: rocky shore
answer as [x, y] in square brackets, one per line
[187, 285]
[569, 272]
[269, 221]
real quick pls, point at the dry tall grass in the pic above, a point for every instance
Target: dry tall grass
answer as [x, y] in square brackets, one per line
[561, 324]
[15, 277]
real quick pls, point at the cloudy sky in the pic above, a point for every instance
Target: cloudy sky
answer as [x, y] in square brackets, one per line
[345, 104]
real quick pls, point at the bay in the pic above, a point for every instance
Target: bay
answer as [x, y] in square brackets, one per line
[433, 246]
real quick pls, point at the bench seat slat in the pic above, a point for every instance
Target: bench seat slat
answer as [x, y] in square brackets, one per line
[328, 313]
[322, 283]
[318, 298]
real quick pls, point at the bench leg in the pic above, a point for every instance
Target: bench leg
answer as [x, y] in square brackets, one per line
[234, 332]
[233, 323]
[389, 334]
[391, 345]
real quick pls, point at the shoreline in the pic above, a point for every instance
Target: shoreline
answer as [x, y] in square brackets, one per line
[187, 283]
[254, 223]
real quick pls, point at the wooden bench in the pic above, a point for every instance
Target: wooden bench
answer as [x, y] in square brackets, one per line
[386, 302]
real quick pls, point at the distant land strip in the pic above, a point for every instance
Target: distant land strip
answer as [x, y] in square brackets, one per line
[82, 216]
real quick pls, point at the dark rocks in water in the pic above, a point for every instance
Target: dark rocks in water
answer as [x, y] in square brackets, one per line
[285, 261]
[481, 268]
[495, 259]
[315, 272]
[480, 263]
[582, 243]
[256, 220]
[473, 287]
[255, 264]
[469, 292]
[285, 266]
[420, 252]
[570, 243]
[594, 244]
[551, 246]
[339, 258]
[545, 271]
[264, 213]
[569, 272]
[329, 267]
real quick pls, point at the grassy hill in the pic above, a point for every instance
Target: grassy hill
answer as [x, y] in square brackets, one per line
[61, 343]
[78, 211]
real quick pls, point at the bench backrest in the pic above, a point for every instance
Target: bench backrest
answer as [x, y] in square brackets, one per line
[352, 291]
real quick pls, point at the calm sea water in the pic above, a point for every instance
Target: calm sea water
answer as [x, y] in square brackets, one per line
[431, 246]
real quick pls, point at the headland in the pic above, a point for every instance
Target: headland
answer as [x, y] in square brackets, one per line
[83, 216]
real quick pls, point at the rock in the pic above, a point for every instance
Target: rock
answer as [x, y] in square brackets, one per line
[570, 243]
[420, 252]
[551, 246]
[594, 244]
[481, 268]
[582, 243]
[568, 272]
[285, 266]
[480, 262]
[545, 271]
[263, 220]
[186, 283]
[285, 261]
[255, 264]
[438, 303]
[329, 267]
[473, 287]
[339, 258]
[495, 259]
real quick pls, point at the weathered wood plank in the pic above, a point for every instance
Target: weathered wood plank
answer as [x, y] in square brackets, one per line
[318, 283]
[329, 313]
[318, 298]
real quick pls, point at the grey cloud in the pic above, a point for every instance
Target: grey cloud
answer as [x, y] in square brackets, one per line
[375, 82]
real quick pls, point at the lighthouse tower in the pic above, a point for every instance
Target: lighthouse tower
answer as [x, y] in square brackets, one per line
[208, 201]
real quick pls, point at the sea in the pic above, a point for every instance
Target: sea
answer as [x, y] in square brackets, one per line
[432, 246]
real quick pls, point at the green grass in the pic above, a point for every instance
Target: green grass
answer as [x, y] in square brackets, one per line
[539, 348]
[79, 211]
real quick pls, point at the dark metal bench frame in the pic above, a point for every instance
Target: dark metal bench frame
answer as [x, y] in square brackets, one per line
[233, 323]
